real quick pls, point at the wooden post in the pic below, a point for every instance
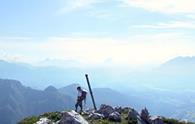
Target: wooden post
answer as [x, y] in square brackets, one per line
[90, 90]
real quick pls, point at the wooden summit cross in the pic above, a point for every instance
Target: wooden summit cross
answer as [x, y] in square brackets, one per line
[90, 90]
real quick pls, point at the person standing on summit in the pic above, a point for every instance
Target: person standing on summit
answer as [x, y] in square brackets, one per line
[80, 98]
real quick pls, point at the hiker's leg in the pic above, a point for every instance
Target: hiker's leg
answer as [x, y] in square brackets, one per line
[76, 106]
[81, 105]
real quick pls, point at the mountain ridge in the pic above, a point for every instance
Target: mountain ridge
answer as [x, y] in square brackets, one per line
[18, 101]
[166, 83]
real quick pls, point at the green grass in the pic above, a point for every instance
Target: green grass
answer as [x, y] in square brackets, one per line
[29, 120]
[106, 121]
[54, 116]
[174, 121]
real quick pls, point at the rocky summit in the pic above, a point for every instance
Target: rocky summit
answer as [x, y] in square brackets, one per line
[106, 114]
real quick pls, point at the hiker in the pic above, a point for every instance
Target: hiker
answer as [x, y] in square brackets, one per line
[80, 98]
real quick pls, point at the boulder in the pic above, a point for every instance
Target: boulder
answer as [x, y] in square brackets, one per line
[145, 115]
[118, 109]
[96, 116]
[156, 120]
[126, 110]
[133, 114]
[106, 110]
[44, 121]
[115, 116]
[72, 118]
[134, 117]
[88, 110]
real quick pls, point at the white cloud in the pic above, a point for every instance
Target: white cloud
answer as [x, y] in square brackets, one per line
[138, 50]
[164, 6]
[19, 49]
[100, 14]
[170, 25]
[191, 16]
[73, 5]
[15, 38]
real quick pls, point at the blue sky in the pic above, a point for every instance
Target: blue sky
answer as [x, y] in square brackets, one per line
[118, 32]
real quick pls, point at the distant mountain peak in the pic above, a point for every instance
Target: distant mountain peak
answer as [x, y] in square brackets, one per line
[10, 82]
[180, 62]
[51, 89]
[71, 86]
[182, 59]
[18, 101]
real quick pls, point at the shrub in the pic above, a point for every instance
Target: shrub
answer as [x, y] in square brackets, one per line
[30, 120]
[132, 121]
[54, 116]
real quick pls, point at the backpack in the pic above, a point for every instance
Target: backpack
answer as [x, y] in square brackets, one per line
[84, 95]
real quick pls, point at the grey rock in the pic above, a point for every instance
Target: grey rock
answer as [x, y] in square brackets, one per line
[126, 110]
[85, 113]
[133, 114]
[141, 121]
[44, 121]
[96, 116]
[90, 110]
[184, 121]
[145, 115]
[106, 110]
[115, 116]
[156, 120]
[118, 109]
[72, 118]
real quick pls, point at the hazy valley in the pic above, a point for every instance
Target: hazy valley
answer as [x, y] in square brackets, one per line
[166, 90]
